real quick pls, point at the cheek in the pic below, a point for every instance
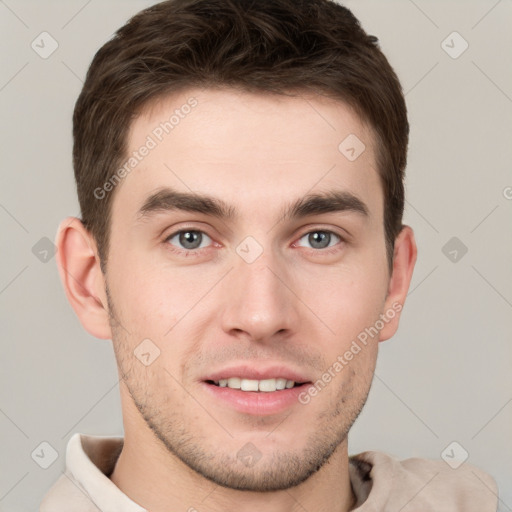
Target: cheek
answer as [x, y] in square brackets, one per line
[164, 305]
[347, 299]
[143, 300]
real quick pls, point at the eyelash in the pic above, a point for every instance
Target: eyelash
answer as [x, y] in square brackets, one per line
[199, 251]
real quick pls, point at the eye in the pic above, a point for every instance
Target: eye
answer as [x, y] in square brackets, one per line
[321, 239]
[188, 239]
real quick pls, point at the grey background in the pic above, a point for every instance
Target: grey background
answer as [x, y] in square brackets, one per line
[446, 376]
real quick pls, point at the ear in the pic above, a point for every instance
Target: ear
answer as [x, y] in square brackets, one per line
[404, 259]
[80, 272]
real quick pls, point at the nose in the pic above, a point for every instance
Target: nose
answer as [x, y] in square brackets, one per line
[260, 301]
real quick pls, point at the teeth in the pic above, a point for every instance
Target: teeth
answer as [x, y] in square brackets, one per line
[280, 383]
[234, 383]
[265, 385]
[249, 385]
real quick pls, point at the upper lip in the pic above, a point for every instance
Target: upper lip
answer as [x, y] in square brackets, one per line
[245, 371]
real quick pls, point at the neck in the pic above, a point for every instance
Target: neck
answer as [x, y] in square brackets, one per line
[157, 480]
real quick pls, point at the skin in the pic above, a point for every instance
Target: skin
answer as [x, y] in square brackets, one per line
[297, 305]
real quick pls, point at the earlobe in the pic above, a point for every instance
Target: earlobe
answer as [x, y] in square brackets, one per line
[405, 254]
[79, 269]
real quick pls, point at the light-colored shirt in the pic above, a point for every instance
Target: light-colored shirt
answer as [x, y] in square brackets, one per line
[381, 482]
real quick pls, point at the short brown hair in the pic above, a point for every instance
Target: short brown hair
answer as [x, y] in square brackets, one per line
[274, 46]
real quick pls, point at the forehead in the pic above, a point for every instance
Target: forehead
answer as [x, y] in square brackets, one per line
[252, 150]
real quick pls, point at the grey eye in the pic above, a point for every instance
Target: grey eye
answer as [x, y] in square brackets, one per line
[189, 239]
[321, 239]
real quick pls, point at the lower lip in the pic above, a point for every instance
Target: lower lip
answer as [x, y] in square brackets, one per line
[258, 403]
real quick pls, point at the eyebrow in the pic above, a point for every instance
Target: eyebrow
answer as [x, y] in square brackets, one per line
[168, 199]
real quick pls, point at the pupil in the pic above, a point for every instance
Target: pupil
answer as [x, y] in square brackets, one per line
[189, 239]
[319, 239]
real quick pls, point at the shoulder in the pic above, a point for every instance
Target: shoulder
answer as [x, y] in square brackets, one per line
[423, 484]
[63, 492]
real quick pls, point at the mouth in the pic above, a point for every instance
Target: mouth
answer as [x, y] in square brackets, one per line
[256, 391]
[258, 386]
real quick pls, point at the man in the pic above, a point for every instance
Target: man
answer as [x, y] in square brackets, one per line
[240, 167]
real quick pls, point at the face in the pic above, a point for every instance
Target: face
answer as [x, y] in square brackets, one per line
[266, 284]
